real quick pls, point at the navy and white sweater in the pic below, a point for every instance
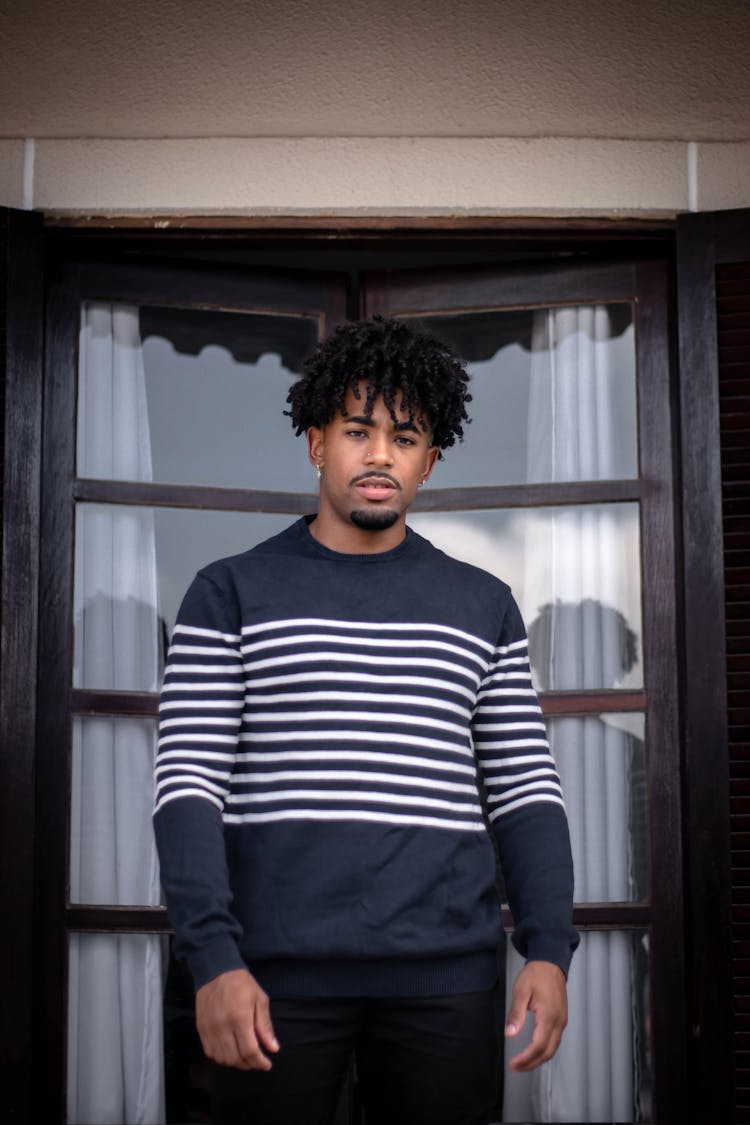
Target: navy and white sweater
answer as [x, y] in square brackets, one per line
[325, 719]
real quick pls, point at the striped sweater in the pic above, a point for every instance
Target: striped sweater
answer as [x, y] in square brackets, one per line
[339, 736]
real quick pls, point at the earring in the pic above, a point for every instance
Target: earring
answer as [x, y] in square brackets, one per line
[421, 483]
[318, 469]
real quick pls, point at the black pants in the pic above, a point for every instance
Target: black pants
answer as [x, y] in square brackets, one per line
[420, 1061]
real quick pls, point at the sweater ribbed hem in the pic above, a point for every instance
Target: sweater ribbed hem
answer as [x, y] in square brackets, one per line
[433, 976]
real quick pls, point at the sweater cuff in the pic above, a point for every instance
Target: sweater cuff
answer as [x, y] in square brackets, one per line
[222, 955]
[548, 947]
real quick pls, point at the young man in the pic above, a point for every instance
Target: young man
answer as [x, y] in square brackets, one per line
[334, 702]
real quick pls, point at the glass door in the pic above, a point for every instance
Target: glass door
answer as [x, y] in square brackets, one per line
[563, 489]
[168, 448]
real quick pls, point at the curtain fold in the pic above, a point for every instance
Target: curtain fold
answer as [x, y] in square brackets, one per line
[581, 640]
[115, 1053]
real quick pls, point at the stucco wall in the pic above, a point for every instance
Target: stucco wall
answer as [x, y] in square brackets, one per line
[477, 106]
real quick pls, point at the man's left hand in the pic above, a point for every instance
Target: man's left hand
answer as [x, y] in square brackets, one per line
[538, 988]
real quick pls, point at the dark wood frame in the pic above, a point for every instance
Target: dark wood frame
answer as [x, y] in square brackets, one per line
[703, 242]
[21, 339]
[709, 1072]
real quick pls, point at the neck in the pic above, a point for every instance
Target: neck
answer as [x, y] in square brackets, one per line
[353, 540]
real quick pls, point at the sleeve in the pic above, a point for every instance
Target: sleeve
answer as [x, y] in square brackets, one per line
[199, 719]
[525, 802]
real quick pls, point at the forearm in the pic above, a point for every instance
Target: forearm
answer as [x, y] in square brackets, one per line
[534, 847]
[190, 840]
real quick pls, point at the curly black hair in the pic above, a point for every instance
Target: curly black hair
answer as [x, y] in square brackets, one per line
[390, 358]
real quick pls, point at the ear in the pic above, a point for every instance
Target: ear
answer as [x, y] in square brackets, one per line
[315, 445]
[430, 458]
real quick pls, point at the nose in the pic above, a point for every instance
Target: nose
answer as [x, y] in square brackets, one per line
[379, 450]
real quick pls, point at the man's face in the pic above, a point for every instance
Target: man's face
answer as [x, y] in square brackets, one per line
[371, 469]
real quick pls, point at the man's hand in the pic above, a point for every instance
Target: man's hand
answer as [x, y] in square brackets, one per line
[538, 988]
[234, 1022]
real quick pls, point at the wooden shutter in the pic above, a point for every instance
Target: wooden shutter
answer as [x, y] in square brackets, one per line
[20, 391]
[714, 325]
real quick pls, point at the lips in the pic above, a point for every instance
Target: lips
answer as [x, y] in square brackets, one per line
[375, 487]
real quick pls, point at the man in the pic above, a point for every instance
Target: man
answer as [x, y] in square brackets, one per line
[334, 701]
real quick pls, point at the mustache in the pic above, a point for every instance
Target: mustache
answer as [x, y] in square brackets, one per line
[376, 476]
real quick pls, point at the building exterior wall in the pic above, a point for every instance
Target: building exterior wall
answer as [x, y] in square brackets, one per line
[481, 107]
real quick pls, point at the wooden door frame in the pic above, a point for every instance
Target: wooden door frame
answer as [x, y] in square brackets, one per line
[707, 883]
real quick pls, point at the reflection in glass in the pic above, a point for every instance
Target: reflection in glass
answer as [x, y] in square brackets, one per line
[198, 394]
[575, 573]
[112, 854]
[554, 395]
[602, 764]
[602, 1070]
[115, 1051]
[132, 568]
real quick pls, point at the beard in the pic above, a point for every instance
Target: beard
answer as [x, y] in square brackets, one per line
[373, 519]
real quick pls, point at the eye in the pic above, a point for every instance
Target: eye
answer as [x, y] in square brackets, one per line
[355, 433]
[403, 440]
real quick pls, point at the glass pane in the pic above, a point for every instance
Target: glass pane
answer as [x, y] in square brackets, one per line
[602, 764]
[602, 1070]
[191, 396]
[115, 1042]
[575, 573]
[112, 854]
[554, 395]
[132, 568]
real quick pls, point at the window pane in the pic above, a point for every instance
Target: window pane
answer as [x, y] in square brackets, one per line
[602, 764]
[132, 568]
[602, 1071]
[191, 396]
[554, 395]
[575, 573]
[112, 854]
[115, 1049]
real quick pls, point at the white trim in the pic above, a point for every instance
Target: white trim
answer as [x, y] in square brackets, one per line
[29, 162]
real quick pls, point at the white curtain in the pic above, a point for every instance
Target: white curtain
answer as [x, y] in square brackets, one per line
[582, 643]
[115, 1054]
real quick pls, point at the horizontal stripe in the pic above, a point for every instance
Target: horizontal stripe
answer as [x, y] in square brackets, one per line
[203, 721]
[435, 764]
[333, 657]
[215, 686]
[198, 704]
[361, 815]
[315, 639]
[358, 697]
[203, 650]
[198, 631]
[537, 798]
[353, 736]
[365, 627]
[212, 787]
[529, 787]
[515, 760]
[203, 669]
[352, 795]
[174, 794]
[368, 777]
[258, 683]
[294, 717]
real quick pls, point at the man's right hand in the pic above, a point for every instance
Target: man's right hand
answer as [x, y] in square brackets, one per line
[234, 1021]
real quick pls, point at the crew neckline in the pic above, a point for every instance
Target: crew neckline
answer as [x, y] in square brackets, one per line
[345, 556]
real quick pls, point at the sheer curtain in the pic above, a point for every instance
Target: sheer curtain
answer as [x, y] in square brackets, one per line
[115, 1060]
[580, 639]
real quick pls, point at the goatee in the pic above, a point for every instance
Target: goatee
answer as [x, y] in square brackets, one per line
[373, 519]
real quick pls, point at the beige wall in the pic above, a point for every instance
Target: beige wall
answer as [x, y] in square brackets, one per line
[407, 106]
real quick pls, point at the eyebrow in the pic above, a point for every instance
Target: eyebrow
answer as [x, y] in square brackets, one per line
[364, 420]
